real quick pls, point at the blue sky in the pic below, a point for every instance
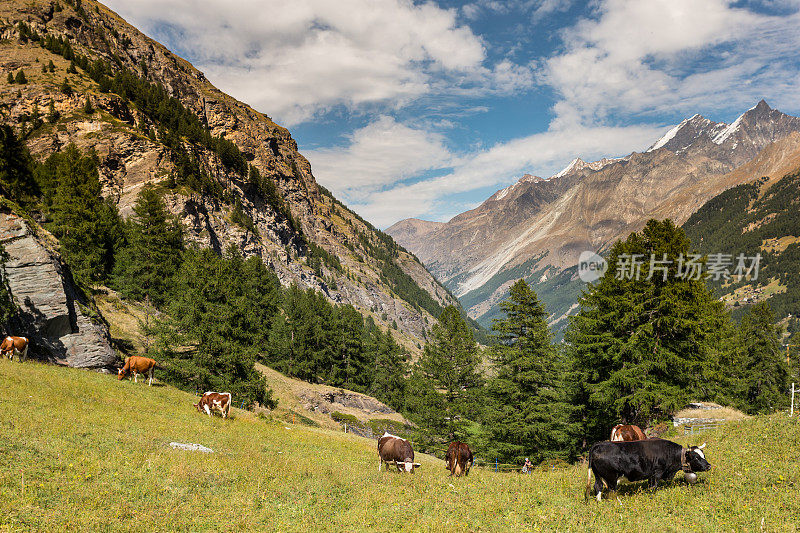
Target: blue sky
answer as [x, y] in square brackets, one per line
[411, 109]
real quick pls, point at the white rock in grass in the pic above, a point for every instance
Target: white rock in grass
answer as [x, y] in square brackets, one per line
[191, 447]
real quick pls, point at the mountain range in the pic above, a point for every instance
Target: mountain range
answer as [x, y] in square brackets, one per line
[536, 228]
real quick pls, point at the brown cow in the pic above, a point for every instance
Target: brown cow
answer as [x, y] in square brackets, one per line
[12, 346]
[138, 365]
[458, 459]
[221, 401]
[627, 432]
[397, 451]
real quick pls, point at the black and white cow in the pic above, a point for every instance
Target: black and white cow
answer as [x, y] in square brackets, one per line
[652, 459]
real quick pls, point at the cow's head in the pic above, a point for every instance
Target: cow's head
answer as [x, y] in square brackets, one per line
[697, 459]
[408, 465]
[121, 373]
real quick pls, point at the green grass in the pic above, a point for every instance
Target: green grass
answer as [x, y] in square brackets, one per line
[94, 455]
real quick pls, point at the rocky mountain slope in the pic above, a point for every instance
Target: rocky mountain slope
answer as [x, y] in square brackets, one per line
[537, 228]
[280, 215]
[53, 313]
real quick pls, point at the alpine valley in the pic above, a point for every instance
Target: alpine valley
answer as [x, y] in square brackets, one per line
[536, 228]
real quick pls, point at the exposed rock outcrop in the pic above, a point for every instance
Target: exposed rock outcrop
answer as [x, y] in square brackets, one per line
[51, 309]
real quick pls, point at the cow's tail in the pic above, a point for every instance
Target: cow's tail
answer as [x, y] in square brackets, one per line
[588, 476]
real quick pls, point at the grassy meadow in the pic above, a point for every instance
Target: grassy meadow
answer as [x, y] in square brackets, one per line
[82, 451]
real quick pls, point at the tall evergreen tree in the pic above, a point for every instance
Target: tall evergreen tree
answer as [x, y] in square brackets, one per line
[644, 344]
[87, 225]
[209, 336]
[144, 268]
[349, 368]
[761, 377]
[16, 167]
[527, 413]
[449, 363]
[389, 375]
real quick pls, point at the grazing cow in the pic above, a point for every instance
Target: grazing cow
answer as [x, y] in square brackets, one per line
[627, 432]
[458, 459]
[12, 346]
[137, 365]
[221, 401]
[651, 459]
[397, 451]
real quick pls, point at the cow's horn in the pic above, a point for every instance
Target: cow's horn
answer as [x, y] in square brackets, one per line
[417, 465]
[701, 446]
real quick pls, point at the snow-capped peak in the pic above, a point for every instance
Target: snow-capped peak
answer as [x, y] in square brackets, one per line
[579, 164]
[728, 131]
[575, 164]
[667, 137]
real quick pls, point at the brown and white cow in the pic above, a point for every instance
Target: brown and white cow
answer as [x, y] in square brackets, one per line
[136, 365]
[458, 459]
[221, 401]
[626, 432]
[394, 450]
[12, 346]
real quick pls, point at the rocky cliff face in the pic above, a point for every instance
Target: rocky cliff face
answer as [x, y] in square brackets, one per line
[53, 313]
[537, 228]
[130, 157]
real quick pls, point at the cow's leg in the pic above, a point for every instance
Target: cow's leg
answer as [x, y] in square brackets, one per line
[208, 411]
[135, 377]
[150, 381]
[597, 490]
[25, 353]
[380, 463]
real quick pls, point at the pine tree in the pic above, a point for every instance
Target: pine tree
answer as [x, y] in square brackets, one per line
[449, 363]
[52, 114]
[66, 88]
[645, 345]
[389, 375]
[761, 375]
[87, 226]
[214, 325]
[350, 368]
[527, 413]
[10, 78]
[51, 66]
[144, 268]
[16, 167]
[20, 78]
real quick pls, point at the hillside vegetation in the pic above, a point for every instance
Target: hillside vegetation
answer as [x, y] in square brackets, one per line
[82, 451]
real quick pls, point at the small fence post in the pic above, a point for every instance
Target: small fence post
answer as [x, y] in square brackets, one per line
[495, 464]
[791, 411]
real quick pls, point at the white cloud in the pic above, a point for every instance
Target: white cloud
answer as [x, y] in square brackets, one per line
[386, 195]
[294, 61]
[644, 57]
[379, 154]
